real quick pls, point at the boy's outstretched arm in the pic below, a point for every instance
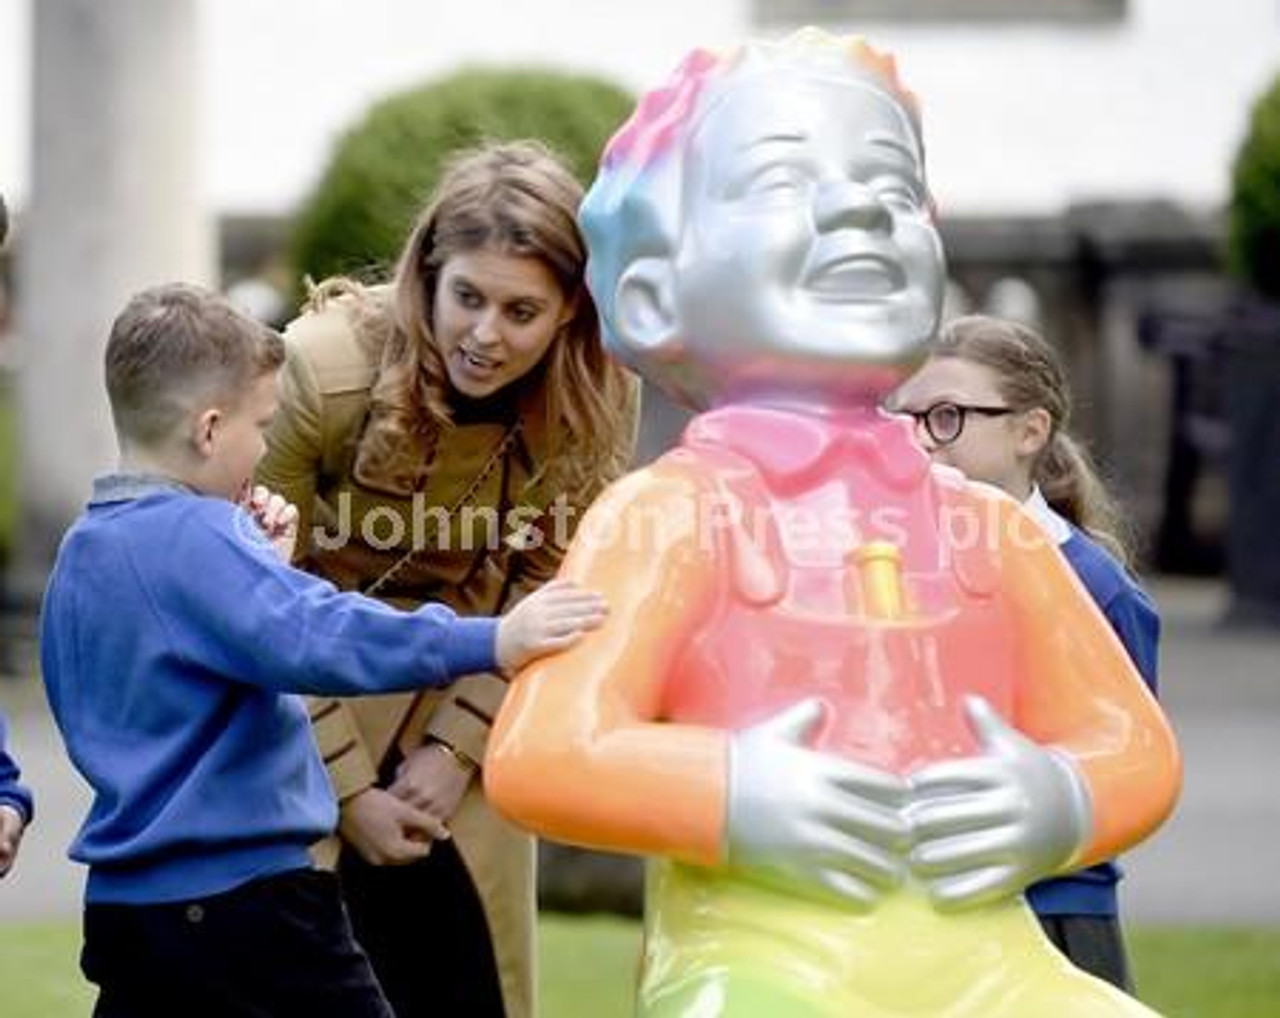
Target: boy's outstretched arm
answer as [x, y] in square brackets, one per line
[267, 624]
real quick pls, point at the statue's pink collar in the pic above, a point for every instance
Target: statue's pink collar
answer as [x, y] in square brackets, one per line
[792, 448]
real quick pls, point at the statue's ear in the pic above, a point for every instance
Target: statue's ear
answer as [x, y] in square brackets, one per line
[645, 310]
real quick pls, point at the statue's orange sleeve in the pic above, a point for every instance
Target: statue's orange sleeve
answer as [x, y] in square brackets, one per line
[1084, 696]
[578, 753]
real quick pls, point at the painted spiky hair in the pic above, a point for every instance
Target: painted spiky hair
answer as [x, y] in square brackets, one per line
[663, 113]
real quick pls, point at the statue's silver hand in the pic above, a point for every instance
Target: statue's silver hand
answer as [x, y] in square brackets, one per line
[987, 826]
[810, 822]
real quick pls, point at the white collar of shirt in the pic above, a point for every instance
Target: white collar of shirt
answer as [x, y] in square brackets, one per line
[1050, 521]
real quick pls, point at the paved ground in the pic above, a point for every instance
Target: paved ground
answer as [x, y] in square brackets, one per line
[1216, 858]
[1213, 862]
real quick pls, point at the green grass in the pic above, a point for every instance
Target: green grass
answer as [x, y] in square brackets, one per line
[1214, 972]
[589, 965]
[39, 975]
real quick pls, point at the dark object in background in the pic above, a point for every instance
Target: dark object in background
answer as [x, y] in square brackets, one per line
[1252, 344]
[1251, 339]
[4, 220]
[1199, 436]
[577, 880]
[1225, 417]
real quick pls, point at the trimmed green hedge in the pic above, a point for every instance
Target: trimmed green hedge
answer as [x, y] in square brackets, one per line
[1253, 240]
[384, 168]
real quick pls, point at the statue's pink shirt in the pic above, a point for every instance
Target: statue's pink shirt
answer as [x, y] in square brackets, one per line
[791, 623]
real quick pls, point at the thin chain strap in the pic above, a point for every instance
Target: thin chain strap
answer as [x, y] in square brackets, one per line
[495, 457]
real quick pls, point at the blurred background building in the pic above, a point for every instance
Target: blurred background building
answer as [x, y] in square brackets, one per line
[1080, 153]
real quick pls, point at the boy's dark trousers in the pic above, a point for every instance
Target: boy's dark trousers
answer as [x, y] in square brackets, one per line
[272, 948]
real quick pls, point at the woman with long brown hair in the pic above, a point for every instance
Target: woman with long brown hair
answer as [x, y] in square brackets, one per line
[440, 436]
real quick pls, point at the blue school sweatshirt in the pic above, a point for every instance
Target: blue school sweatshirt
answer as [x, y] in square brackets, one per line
[172, 641]
[12, 792]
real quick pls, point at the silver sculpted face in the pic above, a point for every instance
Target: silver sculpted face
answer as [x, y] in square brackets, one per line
[808, 267]
[782, 251]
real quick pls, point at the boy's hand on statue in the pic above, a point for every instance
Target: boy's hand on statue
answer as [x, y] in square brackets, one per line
[988, 826]
[810, 822]
[553, 617]
[12, 826]
[432, 779]
[277, 517]
[387, 831]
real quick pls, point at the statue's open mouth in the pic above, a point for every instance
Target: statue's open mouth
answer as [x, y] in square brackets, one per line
[856, 277]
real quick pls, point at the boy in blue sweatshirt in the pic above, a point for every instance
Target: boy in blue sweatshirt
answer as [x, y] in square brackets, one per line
[173, 635]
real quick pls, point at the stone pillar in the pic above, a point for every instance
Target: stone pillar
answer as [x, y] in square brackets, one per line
[114, 206]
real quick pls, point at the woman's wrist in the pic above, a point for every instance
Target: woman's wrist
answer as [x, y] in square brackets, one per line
[464, 762]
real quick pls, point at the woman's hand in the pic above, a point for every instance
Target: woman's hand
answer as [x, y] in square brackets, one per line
[433, 778]
[386, 830]
[553, 617]
[277, 517]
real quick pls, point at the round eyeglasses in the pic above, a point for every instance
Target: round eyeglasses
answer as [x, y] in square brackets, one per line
[945, 421]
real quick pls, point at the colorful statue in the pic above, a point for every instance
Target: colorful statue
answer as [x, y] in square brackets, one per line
[851, 703]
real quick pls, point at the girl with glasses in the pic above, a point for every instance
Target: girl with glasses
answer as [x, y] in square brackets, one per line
[993, 402]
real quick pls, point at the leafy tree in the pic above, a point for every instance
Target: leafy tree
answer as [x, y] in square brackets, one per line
[1253, 239]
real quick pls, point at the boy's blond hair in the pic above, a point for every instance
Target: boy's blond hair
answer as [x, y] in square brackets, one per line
[175, 346]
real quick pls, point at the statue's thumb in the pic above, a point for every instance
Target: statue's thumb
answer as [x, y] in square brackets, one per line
[795, 724]
[993, 732]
